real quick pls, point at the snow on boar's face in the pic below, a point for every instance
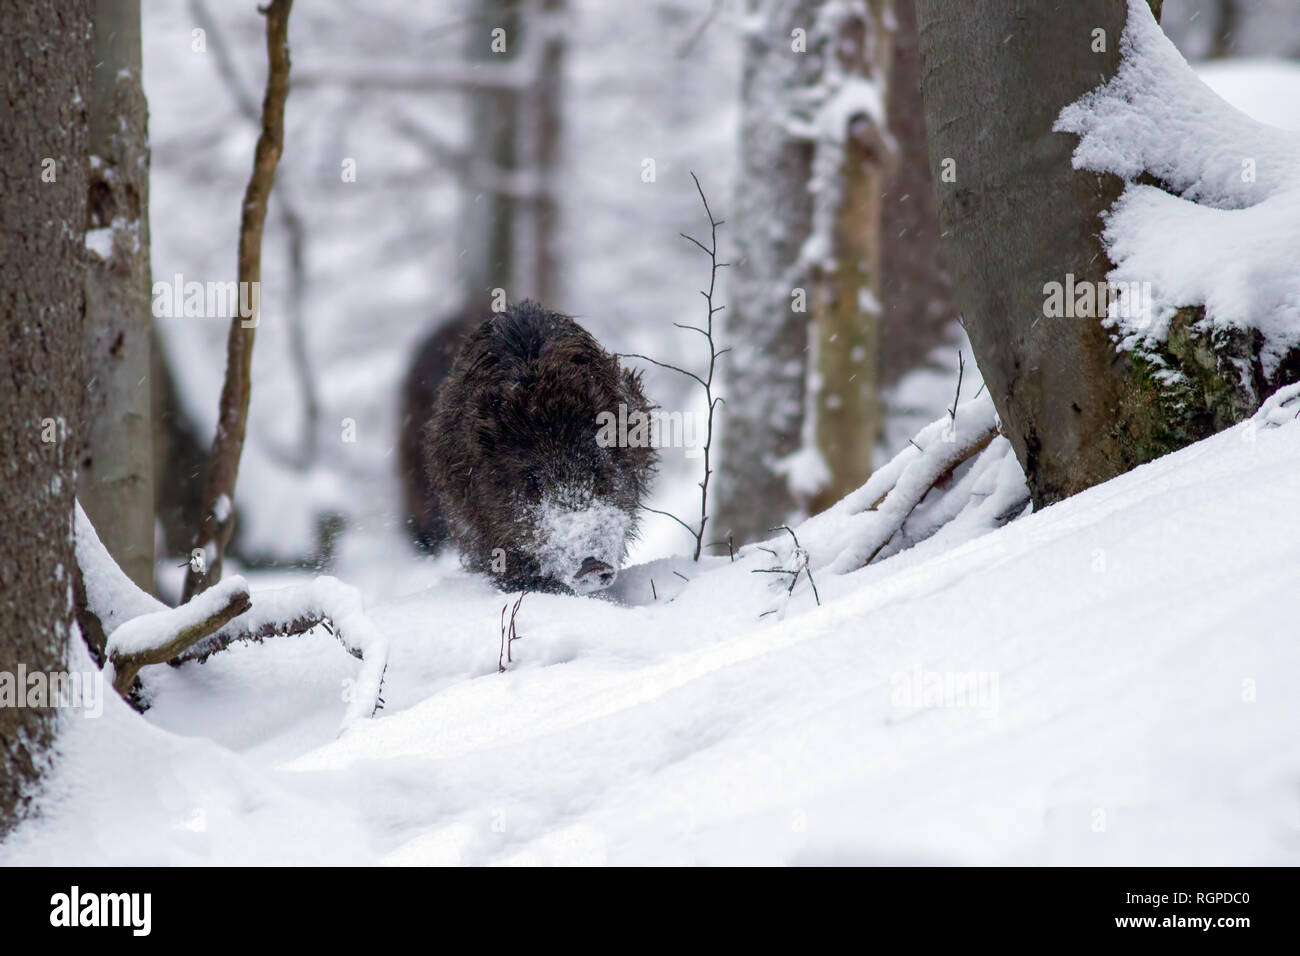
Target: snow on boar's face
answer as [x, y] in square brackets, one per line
[531, 496]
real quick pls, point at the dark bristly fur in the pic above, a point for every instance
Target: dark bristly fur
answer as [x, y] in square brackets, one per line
[429, 369]
[514, 424]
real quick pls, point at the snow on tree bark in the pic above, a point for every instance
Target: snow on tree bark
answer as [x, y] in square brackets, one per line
[45, 49]
[1017, 215]
[811, 127]
[854, 155]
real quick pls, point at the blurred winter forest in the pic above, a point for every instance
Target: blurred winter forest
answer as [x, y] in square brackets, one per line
[421, 170]
[823, 212]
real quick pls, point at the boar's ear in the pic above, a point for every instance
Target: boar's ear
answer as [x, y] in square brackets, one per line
[630, 391]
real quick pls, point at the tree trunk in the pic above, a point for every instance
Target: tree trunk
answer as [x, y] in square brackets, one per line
[1225, 28]
[1018, 216]
[489, 219]
[770, 281]
[45, 54]
[540, 121]
[917, 307]
[803, 320]
[847, 289]
[115, 480]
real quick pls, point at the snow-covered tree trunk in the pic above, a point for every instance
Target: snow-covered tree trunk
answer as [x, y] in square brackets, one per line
[115, 479]
[45, 58]
[1017, 215]
[766, 319]
[803, 306]
[854, 152]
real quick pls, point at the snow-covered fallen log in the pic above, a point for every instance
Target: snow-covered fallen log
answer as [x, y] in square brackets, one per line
[140, 630]
[956, 480]
[324, 601]
[129, 629]
[987, 494]
[158, 637]
[1281, 408]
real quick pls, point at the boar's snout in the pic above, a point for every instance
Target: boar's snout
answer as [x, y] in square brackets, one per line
[593, 575]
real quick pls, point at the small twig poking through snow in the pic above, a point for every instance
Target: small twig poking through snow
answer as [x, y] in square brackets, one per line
[653, 593]
[797, 564]
[961, 368]
[705, 381]
[730, 543]
[508, 638]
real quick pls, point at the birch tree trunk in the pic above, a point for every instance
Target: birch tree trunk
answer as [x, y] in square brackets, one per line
[766, 319]
[115, 480]
[45, 58]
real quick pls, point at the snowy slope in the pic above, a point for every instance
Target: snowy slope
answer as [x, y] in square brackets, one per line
[1137, 654]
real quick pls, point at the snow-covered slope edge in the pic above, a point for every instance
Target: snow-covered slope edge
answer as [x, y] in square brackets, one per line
[1131, 657]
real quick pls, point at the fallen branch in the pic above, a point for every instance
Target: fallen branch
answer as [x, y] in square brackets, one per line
[128, 629]
[158, 637]
[324, 601]
[892, 494]
[141, 630]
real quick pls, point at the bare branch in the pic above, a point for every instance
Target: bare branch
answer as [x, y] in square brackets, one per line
[646, 358]
[705, 381]
[223, 467]
[158, 637]
[669, 514]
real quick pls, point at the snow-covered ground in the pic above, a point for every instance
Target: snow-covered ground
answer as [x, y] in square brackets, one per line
[1108, 681]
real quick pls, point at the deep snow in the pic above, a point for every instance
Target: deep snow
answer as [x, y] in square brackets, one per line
[1130, 659]
[1125, 664]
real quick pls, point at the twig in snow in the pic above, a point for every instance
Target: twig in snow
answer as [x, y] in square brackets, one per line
[705, 381]
[730, 543]
[803, 561]
[961, 368]
[508, 638]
